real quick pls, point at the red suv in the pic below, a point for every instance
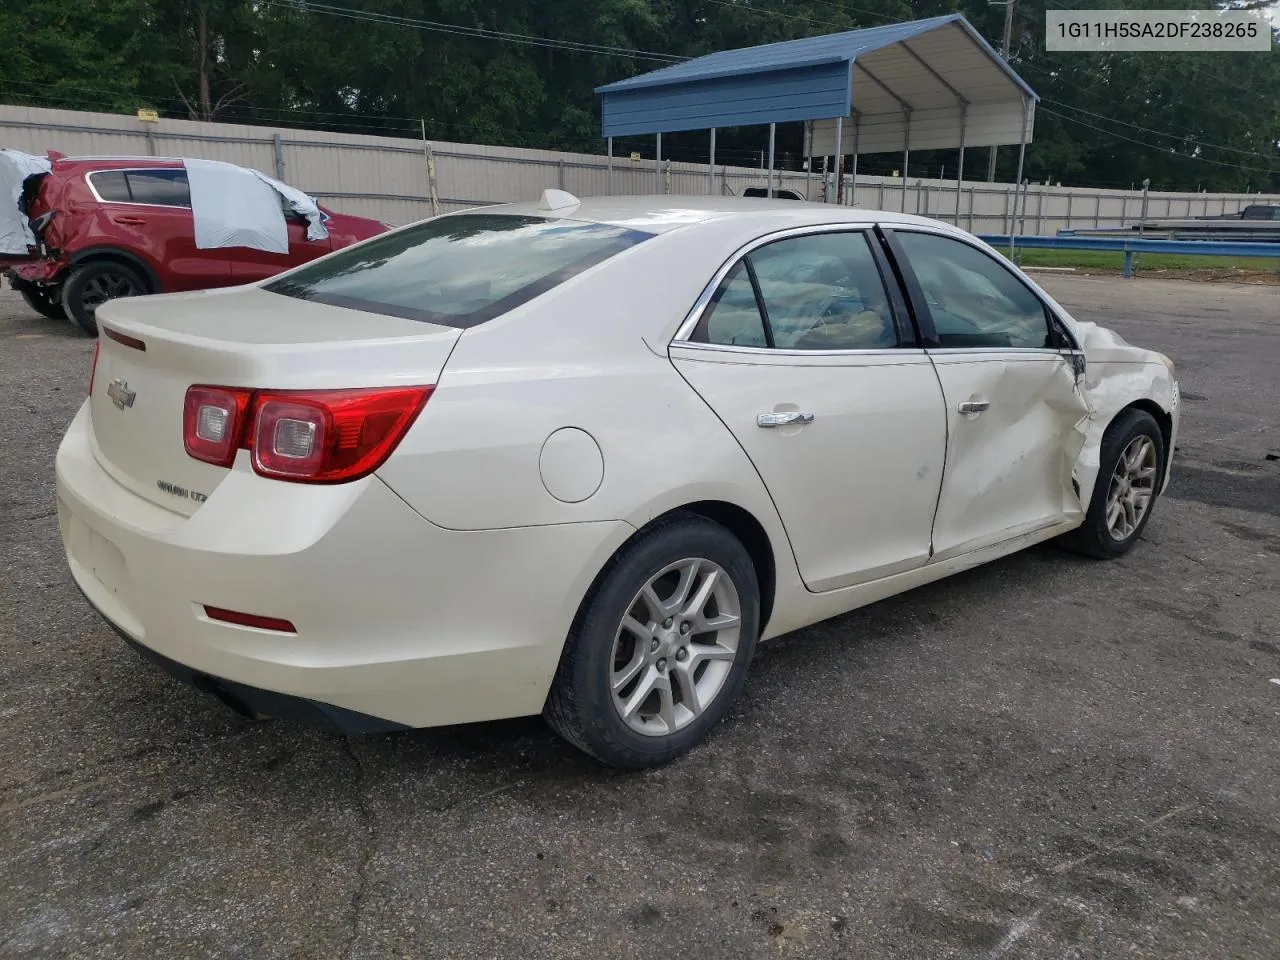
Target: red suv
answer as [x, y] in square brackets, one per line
[122, 226]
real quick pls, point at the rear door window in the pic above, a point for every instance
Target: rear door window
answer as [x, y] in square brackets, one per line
[820, 291]
[165, 188]
[458, 270]
[111, 185]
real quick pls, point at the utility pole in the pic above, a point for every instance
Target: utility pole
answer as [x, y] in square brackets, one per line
[1004, 55]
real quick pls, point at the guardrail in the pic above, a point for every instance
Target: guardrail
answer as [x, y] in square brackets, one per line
[1216, 231]
[1131, 245]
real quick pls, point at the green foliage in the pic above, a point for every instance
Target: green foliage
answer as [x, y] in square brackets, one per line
[1183, 120]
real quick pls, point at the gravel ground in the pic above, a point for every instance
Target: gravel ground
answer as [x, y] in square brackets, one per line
[1044, 757]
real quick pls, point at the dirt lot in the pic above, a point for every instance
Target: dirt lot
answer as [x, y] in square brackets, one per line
[1045, 757]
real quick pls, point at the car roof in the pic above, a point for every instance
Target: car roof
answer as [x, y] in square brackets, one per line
[662, 214]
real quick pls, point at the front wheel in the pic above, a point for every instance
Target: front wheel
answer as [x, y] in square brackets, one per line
[1131, 464]
[660, 649]
[93, 284]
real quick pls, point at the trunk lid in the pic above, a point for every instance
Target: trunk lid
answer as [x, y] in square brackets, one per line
[243, 337]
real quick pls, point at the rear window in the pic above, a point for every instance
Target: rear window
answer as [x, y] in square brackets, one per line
[459, 270]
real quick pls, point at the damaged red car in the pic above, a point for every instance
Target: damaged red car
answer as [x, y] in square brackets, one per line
[98, 228]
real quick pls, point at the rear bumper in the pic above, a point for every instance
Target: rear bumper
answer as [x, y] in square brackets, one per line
[36, 270]
[255, 702]
[397, 619]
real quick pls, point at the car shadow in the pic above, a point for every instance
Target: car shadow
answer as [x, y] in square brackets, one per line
[443, 768]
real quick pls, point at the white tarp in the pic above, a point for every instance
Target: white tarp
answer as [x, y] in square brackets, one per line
[300, 204]
[233, 207]
[15, 167]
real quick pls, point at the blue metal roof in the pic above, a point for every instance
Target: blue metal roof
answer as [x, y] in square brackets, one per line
[804, 79]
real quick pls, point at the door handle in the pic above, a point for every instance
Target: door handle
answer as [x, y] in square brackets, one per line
[129, 221]
[973, 407]
[783, 419]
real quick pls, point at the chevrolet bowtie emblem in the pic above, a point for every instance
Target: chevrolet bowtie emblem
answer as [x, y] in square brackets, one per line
[120, 394]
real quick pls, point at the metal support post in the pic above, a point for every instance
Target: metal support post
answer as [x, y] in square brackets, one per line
[906, 156]
[964, 124]
[808, 156]
[1004, 55]
[853, 186]
[431, 170]
[657, 168]
[277, 147]
[610, 174]
[1017, 182]
[711, 166]
[1142, 216]
[773, 129]
[839, 158]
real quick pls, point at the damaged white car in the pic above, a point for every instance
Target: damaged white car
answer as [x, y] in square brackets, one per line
[578, 457]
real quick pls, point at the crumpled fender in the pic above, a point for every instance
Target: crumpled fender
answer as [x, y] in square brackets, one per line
[1117, 374]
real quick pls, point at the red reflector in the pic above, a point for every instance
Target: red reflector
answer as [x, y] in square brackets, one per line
[249, 620]
[93, 366]
[213, 421]
[122, 338]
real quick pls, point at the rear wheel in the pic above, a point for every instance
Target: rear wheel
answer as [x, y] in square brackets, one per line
[46, 301]
[660, 650]
[1131, 465]
[93, 284]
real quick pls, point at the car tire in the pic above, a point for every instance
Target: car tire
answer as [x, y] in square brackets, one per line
[619, 643]
[43, 300]
[1131, 462]
[92, 284]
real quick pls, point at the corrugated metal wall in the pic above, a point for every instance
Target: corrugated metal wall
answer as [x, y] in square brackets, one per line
[386, 177]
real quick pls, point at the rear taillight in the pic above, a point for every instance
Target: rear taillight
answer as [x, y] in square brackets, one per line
[314, 436]
[212, 423]
[93, 365]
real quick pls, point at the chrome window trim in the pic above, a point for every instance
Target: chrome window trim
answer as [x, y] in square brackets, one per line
[1028, 351]
[991, 253]
[799, 354]
[691, 318]
[88, 179]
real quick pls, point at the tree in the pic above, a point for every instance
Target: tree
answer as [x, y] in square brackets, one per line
[523, 72]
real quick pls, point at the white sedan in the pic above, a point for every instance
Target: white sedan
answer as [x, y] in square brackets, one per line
[577, 457]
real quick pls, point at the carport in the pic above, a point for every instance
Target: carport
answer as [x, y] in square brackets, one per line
[931, 84]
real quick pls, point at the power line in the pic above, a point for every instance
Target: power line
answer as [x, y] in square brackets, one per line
[483, 33]
[1161, 133]
[795, 16]
[1169, 151]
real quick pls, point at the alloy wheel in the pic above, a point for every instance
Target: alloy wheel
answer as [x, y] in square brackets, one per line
[1133, 484]
[106, 286]
[675, 647]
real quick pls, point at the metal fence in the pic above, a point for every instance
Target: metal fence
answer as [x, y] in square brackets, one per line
[400, 180]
